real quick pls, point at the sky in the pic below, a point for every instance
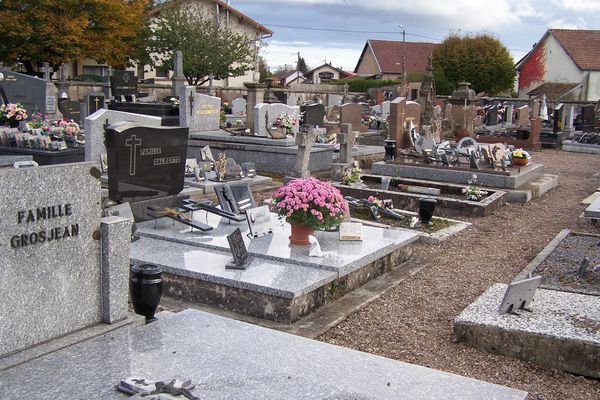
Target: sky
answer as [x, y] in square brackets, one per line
[337, 30]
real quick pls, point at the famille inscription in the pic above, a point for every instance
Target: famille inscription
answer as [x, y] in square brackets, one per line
[45, 213]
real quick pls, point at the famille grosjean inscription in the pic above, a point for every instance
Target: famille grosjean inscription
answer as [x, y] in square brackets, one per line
[46, 213]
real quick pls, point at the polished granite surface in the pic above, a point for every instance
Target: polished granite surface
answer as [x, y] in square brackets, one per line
[261, 275]
[342, 257]
[229, 359]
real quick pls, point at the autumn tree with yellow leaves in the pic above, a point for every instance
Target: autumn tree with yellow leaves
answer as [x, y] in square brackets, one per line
[59, 31]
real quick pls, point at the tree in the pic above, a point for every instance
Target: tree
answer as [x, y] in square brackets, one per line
[59, 31]
[302, 67]
[208, 48]
[481, 60]
[263, 69]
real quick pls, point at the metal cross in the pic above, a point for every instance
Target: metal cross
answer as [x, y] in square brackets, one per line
[191, 99]
[133, 142]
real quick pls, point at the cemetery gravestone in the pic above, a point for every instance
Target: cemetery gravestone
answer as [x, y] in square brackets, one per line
[334, 100]
[93, 103]
[491, 117]
[123, 83]
[273, 110]
[508, 115]
[569, 119]
[94, 129]
[523, 115]
[179, 81]
[292, 99]
[588, 117]
[145, 162]
[304, 141]
[558, 118]
[28, 90]
[314, 114]
[199, 112]
[346, 140]
[333, 113]
[238, 107]
[351, 113]
[56, 278]
[70, 109]
[385, 110]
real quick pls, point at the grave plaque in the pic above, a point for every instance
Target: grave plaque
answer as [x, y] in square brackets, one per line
[314, 114]
[94, 103]
[145, 162]
[238, 250]
[259, 220]
[70, 109]
[28, 90]
[123, 83]
[519, 295]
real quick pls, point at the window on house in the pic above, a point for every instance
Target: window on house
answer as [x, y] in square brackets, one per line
[160, 73]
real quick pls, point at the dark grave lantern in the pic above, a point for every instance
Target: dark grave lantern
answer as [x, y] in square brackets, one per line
[426, 207]
[390, 149]
[145, 289]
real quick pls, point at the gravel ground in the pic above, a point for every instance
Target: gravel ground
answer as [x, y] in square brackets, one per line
[561, 268]
[413, 322]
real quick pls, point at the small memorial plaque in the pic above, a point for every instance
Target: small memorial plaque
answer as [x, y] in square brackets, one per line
[351, 231]
[206, 154]
[190, 165]
[519, 295]
[238, 250]
[259, 220]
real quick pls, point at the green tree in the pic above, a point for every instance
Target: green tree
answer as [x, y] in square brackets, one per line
[208, 48]
[263, 69]
[302, 67]
[59, 31]
[480, 59]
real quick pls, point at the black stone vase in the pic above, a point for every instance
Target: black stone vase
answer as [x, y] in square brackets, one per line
[426, 207]
[13, 123]
[145, 289]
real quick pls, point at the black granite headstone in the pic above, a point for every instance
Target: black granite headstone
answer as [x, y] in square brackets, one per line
[588, 118]
[314, 114]
[30, 91]
[94, 103]
[492, 116]
[145, 162]
[123, 83]
[70, 109]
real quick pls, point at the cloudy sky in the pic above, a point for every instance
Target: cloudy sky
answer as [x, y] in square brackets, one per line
[336, 30]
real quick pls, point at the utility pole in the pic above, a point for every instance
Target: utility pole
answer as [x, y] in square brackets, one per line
[298, 69]
[404, 75]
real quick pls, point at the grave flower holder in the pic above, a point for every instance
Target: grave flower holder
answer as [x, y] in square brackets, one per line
[426, 207]
[145, 289]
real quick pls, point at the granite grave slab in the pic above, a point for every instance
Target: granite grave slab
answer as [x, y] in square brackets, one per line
[265, 364]
[199, 112]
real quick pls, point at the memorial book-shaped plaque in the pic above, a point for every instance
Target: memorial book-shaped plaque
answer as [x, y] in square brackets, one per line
[351, 231]
[238, 250]
[259, 221]
[145, 162]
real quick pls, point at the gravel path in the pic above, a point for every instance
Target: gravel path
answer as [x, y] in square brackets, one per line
[413, 321]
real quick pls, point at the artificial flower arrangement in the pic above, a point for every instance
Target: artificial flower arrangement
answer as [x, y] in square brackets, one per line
[520, 153]
[379, 203]
[474, 192]
[13, 112]
[287, 121]
[311, 202]
[352, 175]
[369, 120]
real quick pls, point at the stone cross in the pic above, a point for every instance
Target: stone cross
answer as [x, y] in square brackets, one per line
[179, 80]
[346, 140]
[304, 141]
[47, 72]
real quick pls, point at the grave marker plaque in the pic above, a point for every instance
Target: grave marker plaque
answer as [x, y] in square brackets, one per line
[70, 109]
[259, 220]
[145, 162]
[123, 83]
[238, 250]
[30, 91]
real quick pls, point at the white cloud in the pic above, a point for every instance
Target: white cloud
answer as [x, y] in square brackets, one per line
[278, 54]
[578, 5]
[560, 23]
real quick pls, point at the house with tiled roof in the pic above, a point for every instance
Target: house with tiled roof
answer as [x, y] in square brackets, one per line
[326, 73]
[389, 59]
[564, 65]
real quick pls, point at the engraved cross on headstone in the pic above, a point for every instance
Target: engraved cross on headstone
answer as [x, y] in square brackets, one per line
[133, 142]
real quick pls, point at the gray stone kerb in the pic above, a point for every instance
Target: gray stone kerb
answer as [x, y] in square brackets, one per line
[559, 332]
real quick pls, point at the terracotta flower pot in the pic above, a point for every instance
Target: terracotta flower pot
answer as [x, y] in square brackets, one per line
[300, 233]
[520, 161]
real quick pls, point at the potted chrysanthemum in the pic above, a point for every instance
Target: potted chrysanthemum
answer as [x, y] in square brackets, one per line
[13, 114]
[309, 204]
[520, 157]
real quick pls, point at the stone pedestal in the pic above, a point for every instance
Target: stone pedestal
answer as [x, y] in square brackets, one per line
[255, 95]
